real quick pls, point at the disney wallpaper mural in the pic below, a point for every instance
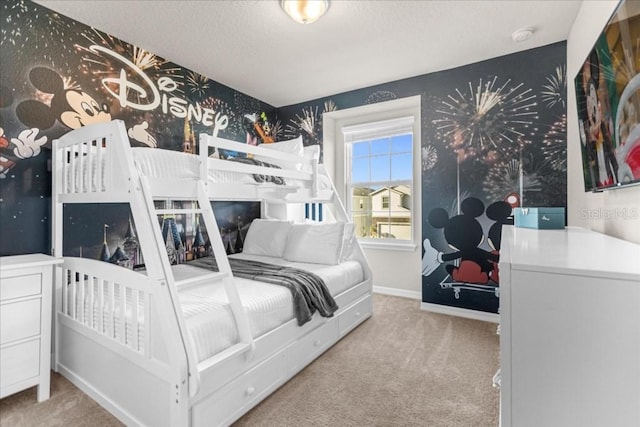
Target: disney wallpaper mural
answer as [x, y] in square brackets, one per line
[493, 137]
[59, 74]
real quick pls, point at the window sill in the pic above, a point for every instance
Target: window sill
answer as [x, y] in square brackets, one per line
[388, 246]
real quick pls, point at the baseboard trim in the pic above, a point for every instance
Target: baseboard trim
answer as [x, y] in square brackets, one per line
[460, 312]
[397, 292]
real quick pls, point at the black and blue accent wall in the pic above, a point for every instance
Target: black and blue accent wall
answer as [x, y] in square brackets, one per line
[493, 136]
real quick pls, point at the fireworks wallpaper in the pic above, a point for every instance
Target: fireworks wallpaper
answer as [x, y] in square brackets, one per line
[58, 74]
[493, 138]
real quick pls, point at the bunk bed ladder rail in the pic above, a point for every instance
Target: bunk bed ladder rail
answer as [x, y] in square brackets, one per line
[157, 263]
[224, 274]
[242, 321]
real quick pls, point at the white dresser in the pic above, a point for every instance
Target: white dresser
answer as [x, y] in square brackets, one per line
[25, 323]
[569, 329]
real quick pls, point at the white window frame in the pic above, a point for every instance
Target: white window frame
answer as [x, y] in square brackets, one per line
[375, 130]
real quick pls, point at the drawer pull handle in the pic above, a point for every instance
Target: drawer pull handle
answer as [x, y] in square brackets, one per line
[250, 391]
[316, 343]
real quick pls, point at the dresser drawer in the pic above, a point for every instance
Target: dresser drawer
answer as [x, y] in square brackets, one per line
[19, 362]
[19, 320]
[221, 407]
[20, 286]
[310, 346]
[355, 314]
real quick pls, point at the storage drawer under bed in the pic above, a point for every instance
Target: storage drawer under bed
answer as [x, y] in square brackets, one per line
[310, 346]
[355, 314]
[221, 407]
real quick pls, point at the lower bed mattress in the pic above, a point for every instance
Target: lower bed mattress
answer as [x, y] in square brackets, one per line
[208, 315]
[206, 307]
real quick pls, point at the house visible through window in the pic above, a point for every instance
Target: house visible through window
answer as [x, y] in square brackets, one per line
[379, 178]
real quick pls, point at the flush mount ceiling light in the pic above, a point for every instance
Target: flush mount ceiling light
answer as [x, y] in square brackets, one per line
[522, 34]
[305, 11]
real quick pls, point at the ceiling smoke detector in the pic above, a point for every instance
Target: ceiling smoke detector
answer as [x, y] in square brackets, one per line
[522, 34]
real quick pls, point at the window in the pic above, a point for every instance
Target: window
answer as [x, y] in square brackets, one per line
[379, 179]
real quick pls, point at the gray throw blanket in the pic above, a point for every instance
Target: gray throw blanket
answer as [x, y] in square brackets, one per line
[308, 290]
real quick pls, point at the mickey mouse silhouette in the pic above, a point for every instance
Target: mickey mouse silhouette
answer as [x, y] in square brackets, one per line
[499, 212]
[71, 107]
[464, 234]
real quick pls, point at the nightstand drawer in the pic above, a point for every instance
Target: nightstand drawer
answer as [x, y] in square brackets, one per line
[19, 320]
[19, 363]
[20, 286]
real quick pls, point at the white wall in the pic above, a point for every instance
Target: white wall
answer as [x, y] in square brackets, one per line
[613, 212]
[395, 272]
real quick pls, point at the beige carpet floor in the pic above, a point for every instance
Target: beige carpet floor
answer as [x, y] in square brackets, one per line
[402, 367]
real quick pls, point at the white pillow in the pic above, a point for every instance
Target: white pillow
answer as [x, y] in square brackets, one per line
[292, 146]
[266, 237]
[318, 244]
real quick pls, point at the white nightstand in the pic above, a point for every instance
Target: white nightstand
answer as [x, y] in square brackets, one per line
[25, 323]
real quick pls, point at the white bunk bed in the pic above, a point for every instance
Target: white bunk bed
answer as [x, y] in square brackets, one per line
[178, 345]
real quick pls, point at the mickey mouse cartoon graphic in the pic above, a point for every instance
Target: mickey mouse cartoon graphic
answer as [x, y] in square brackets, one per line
[25, 145]
[72, 107]
[464, 234]
[500, 212]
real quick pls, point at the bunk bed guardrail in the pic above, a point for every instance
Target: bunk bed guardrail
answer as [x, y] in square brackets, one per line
[116, 304]
[295, 167]
[84, 164]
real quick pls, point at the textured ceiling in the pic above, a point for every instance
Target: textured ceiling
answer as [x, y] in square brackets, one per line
[253, 47]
